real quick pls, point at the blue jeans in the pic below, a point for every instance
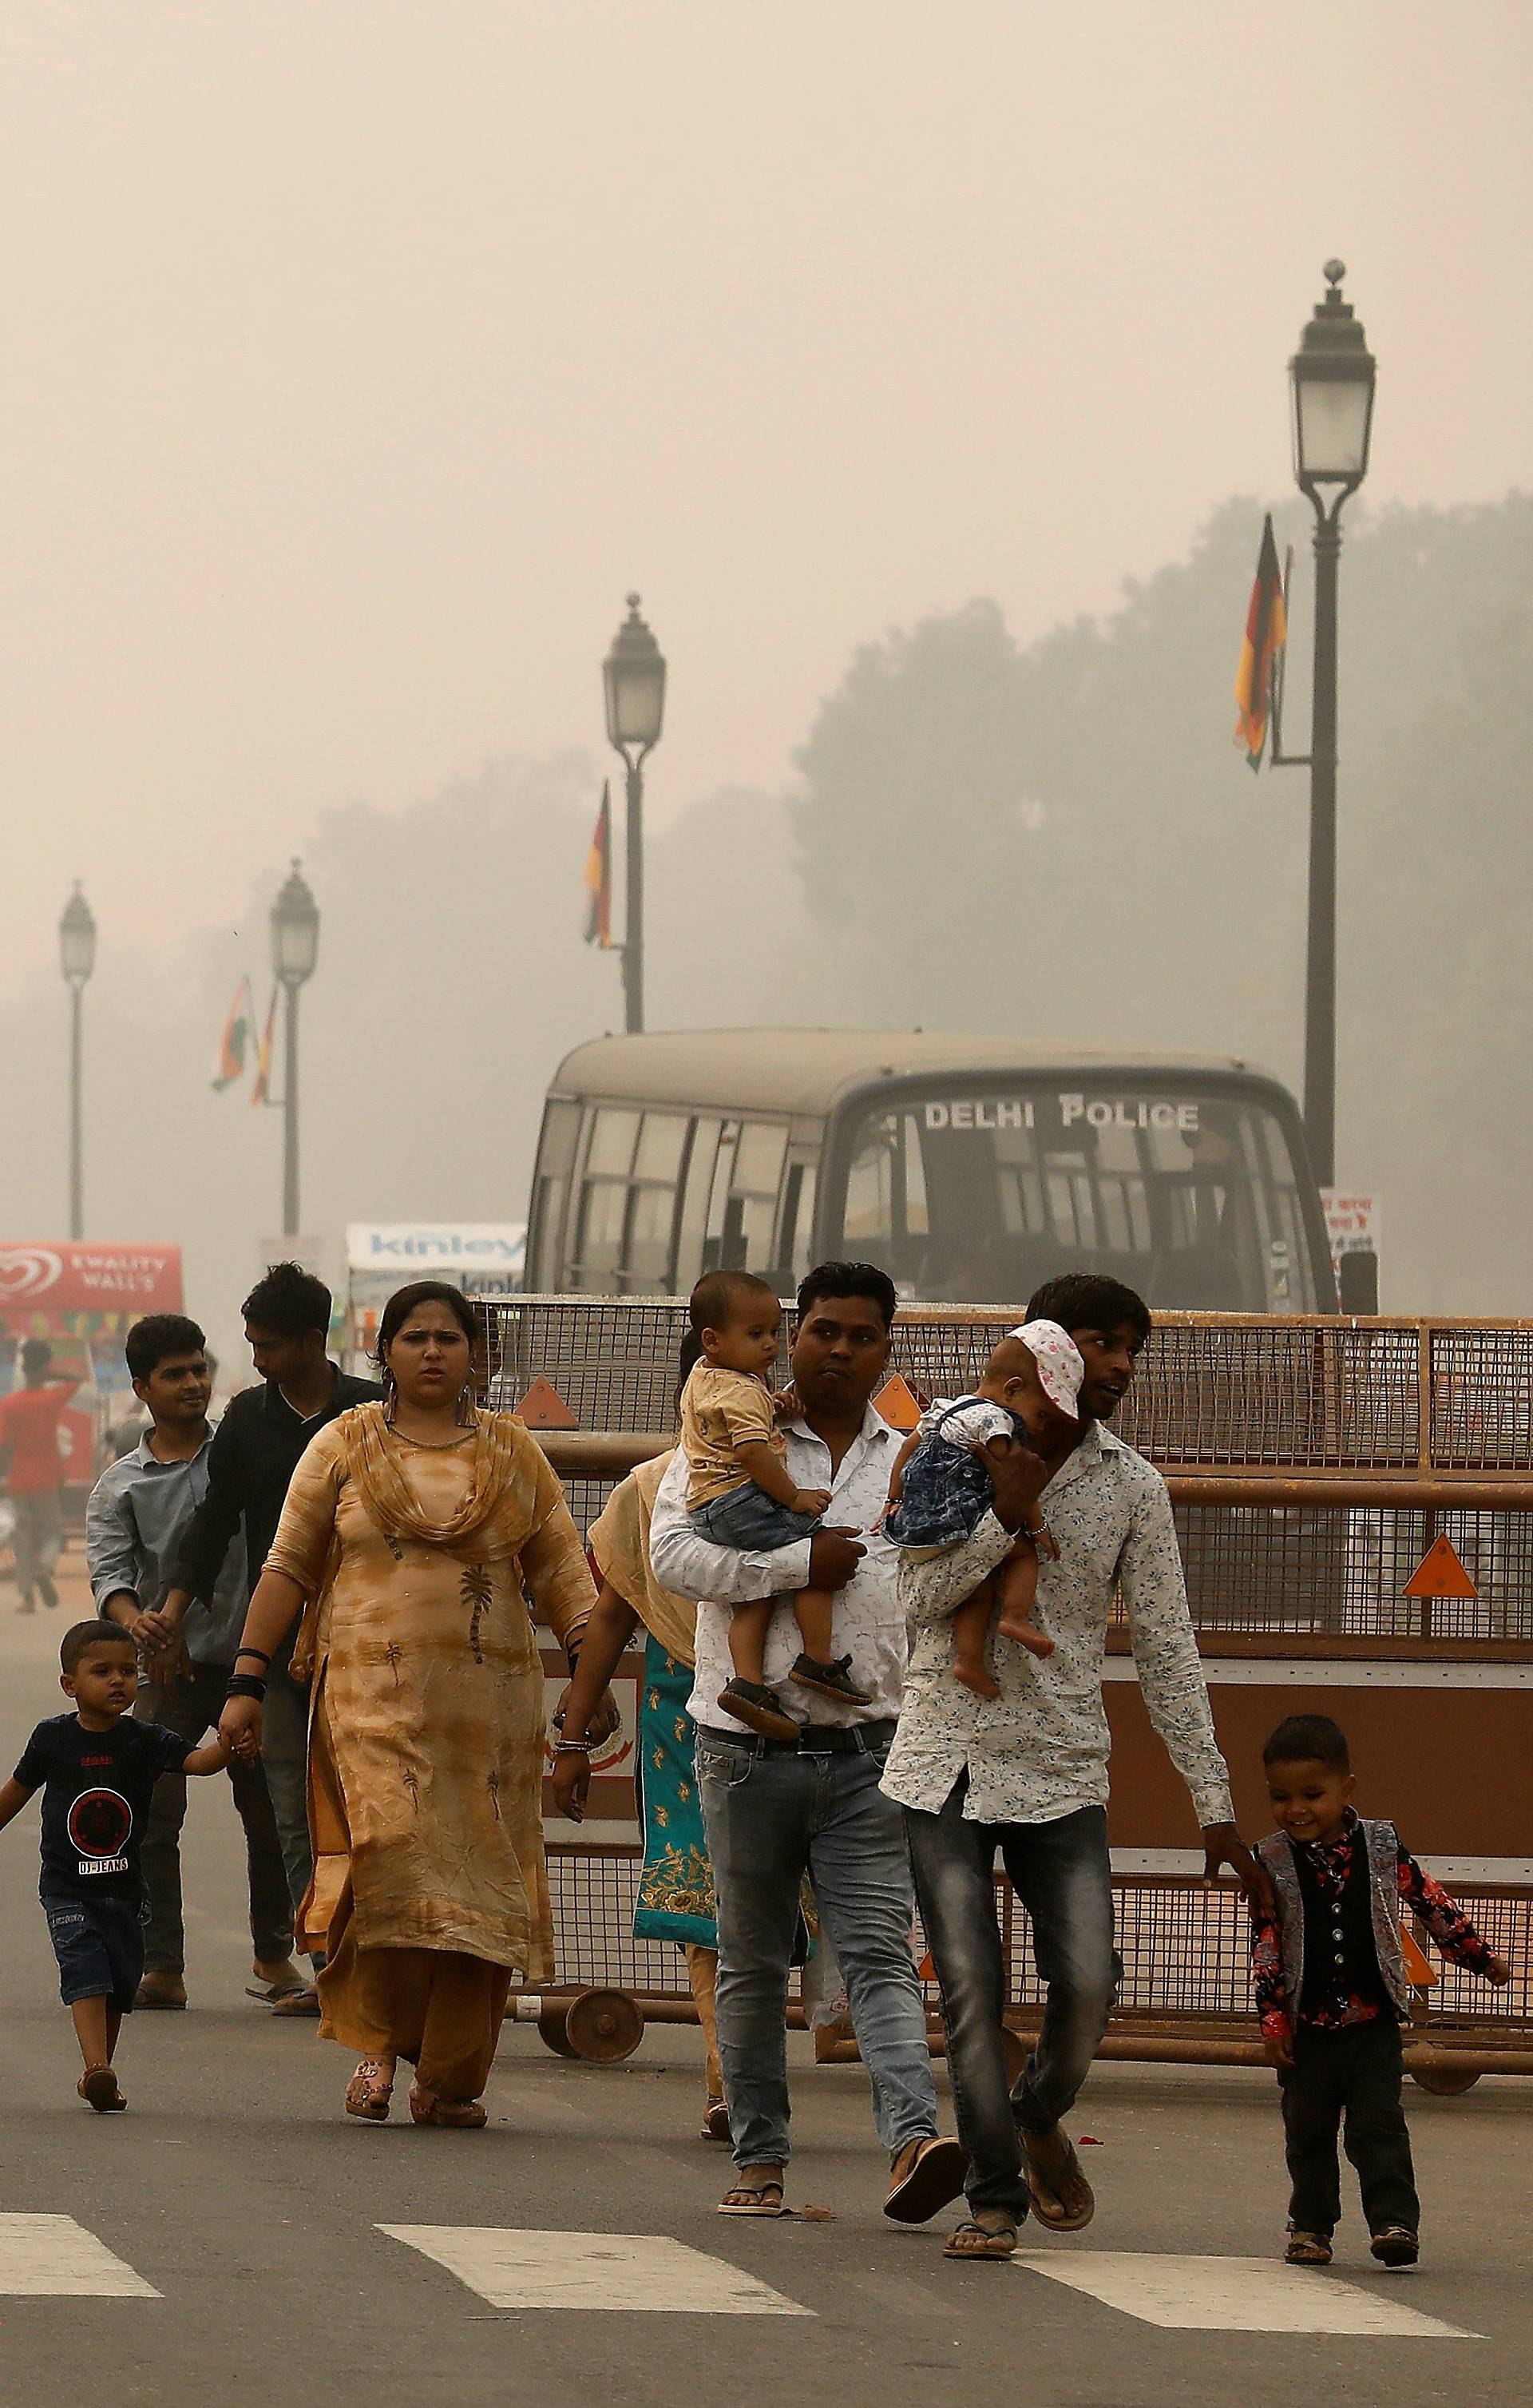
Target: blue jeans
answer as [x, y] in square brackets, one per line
[773, 1814]
[1062, 1873]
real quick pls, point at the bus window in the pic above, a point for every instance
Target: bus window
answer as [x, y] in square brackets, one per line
[1189, 1197]
[652, 1204]
[624, 1238]
[702, 1156]
[797, 1228]
[551, 1193]
[742, 1213]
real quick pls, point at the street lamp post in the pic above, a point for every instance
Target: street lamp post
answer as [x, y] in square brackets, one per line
[294, 952]
[1333, 376]
[634, 677]
[77, 959]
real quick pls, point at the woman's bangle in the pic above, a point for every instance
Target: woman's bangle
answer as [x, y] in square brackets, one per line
[246, 1684]
[571, 1747]
[258, 1653]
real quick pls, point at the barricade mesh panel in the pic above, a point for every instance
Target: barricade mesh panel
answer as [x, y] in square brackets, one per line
[1185, 1948]
[1340, 1570]
[1213, 1390]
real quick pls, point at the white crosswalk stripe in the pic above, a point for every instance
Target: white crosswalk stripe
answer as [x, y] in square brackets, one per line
[52, 2254]
[632, 2271]
[1236, 2295]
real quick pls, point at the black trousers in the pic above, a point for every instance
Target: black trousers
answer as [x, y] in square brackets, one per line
[1355, 2073]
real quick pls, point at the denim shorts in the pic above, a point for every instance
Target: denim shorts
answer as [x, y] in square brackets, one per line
[750, 1520]
[99, 1943]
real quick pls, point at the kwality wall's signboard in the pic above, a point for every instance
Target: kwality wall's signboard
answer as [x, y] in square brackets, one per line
[52, 1285]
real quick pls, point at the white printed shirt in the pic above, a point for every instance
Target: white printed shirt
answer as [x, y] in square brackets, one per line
[869, 1621]
[1040, 1749]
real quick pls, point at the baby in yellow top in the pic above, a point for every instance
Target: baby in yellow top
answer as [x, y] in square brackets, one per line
[740, 1493]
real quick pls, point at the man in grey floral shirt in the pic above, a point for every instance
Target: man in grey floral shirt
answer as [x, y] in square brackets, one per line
[1027, 1774]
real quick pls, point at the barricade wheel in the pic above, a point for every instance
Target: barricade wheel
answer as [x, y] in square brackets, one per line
[1439, 2071]
[604, 2025]
[550, 2028]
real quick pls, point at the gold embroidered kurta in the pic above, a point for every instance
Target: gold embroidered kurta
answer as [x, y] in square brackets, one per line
[427, 1732]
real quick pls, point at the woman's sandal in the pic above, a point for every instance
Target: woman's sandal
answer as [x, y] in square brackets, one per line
[971, 2240]
[1052, 2188]
[754, 2199]
[715, 2121]
[452, 2115]
[369, 2091]
[1306, 2249]
[98, 2086]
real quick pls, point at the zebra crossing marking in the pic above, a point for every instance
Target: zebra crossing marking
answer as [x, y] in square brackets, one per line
[1234, 2295]
[629, 2271]
[52, 2256]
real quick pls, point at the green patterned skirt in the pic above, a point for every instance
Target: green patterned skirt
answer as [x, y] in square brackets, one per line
[676, 1886]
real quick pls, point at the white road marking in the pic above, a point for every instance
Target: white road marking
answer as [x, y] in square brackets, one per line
[1234, 2295]
[591, 2269]
[53, 2256]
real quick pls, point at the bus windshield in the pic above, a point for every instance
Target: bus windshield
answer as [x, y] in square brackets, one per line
[976, 1193]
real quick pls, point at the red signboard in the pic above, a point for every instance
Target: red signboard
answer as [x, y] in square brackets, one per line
[54, 1287]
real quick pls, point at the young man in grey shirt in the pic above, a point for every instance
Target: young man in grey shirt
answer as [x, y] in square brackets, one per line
[135, 1522]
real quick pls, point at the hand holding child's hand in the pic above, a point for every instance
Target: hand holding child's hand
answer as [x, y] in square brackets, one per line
[1498, 1972]
[811, 1500]
[1278, 2049]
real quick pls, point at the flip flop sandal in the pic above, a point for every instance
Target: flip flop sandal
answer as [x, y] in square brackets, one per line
[754, 2199]
[98, 2086]
[715, 2121]
[935, 2177]
[367, 2094]
[1396, 2245]
[451, 2115]
[1048, 2205]
[301, 2002]
[1001, 2244]
[1306, 2249]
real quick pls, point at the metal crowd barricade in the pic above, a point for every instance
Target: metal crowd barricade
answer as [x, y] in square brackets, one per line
[1311, 1464]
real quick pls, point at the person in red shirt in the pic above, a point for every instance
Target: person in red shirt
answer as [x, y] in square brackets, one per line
[34, 1469]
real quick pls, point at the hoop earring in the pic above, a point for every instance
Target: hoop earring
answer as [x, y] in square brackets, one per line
[391, 1398]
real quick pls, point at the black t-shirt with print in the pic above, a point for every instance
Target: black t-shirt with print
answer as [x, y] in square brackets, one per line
[96, 1791]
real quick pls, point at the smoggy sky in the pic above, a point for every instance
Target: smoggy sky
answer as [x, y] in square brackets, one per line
[360, 353]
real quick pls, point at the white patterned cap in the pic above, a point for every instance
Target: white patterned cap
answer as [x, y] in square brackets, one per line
[1060, 1365]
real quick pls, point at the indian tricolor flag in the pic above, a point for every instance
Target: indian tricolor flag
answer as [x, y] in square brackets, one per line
[237, 1031]
[598, 877]
[1266, 634]
[261, 1083]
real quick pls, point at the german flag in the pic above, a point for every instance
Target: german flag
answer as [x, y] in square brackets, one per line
[1266, 635]
[598, 877]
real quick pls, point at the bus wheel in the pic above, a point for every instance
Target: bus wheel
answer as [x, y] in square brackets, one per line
[1439, 2071]
[550, 2028]
[604, 2025]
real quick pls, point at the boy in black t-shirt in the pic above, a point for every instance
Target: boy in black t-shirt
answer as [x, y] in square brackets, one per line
[97, 1769]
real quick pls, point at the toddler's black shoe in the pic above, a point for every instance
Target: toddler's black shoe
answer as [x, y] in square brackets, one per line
[830, 1681]
[759, 1709]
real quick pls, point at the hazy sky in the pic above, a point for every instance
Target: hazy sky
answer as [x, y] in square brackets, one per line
[360, 353]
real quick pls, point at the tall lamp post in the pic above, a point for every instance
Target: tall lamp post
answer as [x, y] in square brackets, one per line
[77, 959]
[294, 952]
[1333, 374]
[634, 676]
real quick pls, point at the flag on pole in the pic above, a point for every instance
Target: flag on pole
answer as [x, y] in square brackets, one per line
[598, 876]
[260, 1087]
[1266, 635]
[235, 1038]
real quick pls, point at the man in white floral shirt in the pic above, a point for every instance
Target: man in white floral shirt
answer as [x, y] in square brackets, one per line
[1027, 1774]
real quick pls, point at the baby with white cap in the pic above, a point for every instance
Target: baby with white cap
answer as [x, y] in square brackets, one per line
[941, 1490]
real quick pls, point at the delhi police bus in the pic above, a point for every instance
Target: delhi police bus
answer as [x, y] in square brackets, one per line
[970, 1167]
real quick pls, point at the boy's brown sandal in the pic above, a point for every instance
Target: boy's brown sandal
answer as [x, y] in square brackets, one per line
[98, 2086]
[1308, 2249]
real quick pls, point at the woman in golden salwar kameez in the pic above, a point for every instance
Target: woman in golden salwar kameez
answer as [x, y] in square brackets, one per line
[409, 1532]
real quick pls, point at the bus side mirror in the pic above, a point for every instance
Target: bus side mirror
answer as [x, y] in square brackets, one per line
[1357, 1281]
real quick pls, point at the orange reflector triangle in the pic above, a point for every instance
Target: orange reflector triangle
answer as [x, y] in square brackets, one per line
[896, 1403]
[926, 1971]
[1439, 1573]
[1419, 1970]
[543, 1407]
